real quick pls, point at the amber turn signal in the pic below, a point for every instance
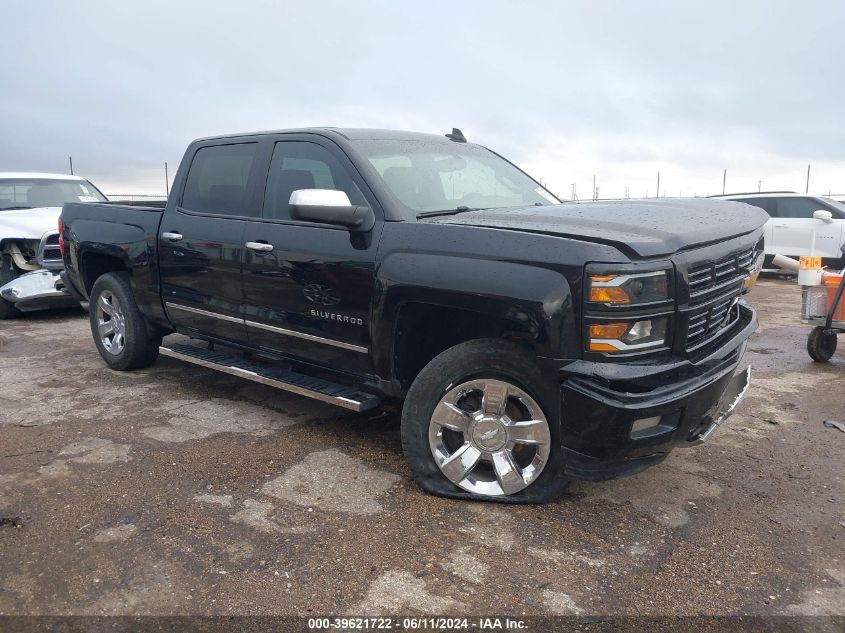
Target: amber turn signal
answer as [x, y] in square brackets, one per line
[602, 347]
[609, 330]
[608, 294]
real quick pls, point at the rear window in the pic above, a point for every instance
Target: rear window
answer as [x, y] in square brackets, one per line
[218, 179]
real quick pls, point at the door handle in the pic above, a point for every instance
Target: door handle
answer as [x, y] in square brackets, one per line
[261, 247]
[173, 236]
[781, 226]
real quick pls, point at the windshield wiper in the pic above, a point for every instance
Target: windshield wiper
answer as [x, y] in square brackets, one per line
[455, 211]
[14, 208]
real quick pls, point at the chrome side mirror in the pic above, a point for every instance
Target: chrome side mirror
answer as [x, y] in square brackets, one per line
[824, 216]
[329, 206]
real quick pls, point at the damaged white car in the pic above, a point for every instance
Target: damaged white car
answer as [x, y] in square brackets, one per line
[30, 254]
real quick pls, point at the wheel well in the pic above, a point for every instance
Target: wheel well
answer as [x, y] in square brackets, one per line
[423, 331]
[95, 265]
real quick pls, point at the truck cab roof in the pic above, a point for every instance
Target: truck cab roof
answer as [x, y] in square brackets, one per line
[348, 134]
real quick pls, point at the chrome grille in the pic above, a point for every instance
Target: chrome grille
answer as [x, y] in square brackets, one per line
[719, 276]
[49, 255]
[708, 323]
[714, 290]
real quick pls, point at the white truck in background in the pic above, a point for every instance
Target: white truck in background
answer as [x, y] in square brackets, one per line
[30, 258]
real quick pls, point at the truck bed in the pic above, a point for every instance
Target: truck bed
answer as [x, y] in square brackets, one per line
[139, 204]
[115, 236]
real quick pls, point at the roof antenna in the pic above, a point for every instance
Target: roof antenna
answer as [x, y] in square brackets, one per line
[457, 136]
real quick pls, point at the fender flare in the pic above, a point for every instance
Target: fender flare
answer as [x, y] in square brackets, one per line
[537, 300]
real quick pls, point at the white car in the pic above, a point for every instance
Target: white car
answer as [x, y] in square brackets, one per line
[794, 219]
[30, 260]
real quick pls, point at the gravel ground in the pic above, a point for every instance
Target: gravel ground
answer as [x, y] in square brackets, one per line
[177, 490]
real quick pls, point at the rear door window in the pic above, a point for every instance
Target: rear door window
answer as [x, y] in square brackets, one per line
[218, 180]
[767, 204]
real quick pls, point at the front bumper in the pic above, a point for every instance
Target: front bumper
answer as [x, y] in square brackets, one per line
[682, 403]
[38, 290]
[731, 399]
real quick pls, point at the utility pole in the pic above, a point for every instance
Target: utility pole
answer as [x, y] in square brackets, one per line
[807, 190]
[166, 181]
[594, 186]
[657, 194]
[759, 185]
[724, 180]
[70, 160]
[574, 192]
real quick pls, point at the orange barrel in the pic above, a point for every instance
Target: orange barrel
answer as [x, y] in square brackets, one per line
[831, 282]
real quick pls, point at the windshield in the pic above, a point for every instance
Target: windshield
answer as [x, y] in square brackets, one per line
[429, 177]
[26, 193]
[839, 205]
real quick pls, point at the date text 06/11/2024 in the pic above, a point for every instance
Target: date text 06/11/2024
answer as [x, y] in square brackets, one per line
[417, 623]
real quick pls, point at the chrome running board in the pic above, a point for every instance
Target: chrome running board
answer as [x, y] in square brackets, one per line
[266, 374]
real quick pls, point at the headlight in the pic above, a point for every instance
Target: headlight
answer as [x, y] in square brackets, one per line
[629, 289]
[627, 336]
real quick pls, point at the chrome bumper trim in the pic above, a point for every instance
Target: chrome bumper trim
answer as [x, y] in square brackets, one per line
[39, 288]
[733, 397]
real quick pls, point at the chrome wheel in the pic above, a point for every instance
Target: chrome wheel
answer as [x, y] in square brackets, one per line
[111, 326]
[489, 437]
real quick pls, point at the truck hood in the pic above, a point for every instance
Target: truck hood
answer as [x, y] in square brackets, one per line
[28, 224]
[644, 228]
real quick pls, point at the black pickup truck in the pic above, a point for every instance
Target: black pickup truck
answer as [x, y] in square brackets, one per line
[532, 342]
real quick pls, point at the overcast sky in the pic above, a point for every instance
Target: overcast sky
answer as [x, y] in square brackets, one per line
[567, 90]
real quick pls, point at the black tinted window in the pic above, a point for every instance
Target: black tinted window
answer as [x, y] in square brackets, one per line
[302, 165]
[767, 204]
[218, 178]
[797, 207]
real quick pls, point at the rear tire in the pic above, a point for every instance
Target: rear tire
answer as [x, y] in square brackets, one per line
[821, 345]
[119, 329]
[502, 456]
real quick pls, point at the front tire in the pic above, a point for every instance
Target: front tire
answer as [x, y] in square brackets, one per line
[481, 422]
[119, 329]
